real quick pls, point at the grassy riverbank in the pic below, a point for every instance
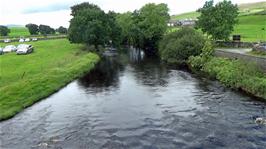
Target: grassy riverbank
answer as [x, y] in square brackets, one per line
[236, 74]
[26, 79]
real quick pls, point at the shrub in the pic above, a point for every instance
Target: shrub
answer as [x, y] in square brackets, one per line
[180, 45]
[198, 62]
[237, 74]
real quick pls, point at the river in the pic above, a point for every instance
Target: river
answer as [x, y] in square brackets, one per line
[131, 101]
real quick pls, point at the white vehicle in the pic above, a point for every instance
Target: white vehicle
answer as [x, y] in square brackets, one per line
[27, 39]
[9, 48]
[34, 39]
[21, 40]
[24, 49]
[7, 40]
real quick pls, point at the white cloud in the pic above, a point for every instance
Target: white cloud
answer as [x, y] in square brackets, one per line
[55, 12]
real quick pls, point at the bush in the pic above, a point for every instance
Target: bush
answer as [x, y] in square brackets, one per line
[198, 62]
[180, 45]
[237, 74]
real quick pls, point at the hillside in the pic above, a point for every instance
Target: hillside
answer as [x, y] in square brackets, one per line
[251, 26]
[244, 9]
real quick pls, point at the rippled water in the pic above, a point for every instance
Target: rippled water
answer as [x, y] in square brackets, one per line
[136, 102]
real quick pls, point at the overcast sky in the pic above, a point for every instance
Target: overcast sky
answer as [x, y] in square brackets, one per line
[57, 12]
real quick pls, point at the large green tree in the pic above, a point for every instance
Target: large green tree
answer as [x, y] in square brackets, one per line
[45, 30]
[33, 29]
[151, 24]
[144, 28]
[92, 26]
[218, 20]
[125, 21]
[4, 30]
[62, 30]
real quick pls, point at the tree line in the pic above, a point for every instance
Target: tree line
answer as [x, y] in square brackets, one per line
[142, 28]
[44, 29]
[36, 30]
[146, 27]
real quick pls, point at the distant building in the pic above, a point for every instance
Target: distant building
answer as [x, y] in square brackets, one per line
[184, 22]
[188, 22]
[173, 23]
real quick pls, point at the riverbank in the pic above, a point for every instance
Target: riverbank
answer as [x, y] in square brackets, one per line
[234, 73]
[26, 79]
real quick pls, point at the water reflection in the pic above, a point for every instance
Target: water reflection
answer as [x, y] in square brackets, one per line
[132, 101]
[104, 76]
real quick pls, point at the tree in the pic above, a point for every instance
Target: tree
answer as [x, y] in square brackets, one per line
[219, 20]
[45, 29]
[125, 22]
[4, 30]
[149, 26]
[115, 33]
[33, 29]
[90, 25]
[62, 30]
[180, 45]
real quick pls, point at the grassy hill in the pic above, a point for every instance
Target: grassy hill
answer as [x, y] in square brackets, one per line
[251, 28]
[18, 31]
[252, 21]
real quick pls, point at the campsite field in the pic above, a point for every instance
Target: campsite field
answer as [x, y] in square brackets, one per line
[18, 31]
[26, 79]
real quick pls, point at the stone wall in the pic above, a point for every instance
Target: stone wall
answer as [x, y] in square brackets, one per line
[260, 61]
[231, 44]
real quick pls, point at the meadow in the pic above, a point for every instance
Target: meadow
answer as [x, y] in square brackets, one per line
[18, 31]
[251, 28]
[26, 79]
[251, 25]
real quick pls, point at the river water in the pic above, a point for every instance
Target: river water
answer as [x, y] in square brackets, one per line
[131, 101]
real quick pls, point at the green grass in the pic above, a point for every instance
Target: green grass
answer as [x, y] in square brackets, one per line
[189, 15]
[18, 31]
[258, 53]
[251, 28]
[26, 79]
[252, 6]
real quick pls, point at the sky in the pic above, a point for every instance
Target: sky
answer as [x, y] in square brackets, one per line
[57, 12]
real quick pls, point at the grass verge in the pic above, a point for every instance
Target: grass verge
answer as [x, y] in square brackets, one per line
[236, 74]
[26, 79]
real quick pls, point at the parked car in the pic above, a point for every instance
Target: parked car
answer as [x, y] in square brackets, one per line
[1, 51]
[21, 40]
[9, 48]
[34, 39]
[27, 39]
[24, 49]
[7, 40]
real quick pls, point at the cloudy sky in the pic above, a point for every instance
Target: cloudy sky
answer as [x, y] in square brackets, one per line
[57, 12]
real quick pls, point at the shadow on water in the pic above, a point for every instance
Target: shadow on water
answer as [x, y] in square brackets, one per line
[133, 101]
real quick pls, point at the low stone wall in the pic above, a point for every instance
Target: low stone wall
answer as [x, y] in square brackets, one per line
[260, 61]
[231, 44]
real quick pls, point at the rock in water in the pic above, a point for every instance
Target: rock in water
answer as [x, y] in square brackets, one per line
[260, 121]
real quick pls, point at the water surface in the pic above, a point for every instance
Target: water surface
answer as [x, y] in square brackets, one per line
[135, 102]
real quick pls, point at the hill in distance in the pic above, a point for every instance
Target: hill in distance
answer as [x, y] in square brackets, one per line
[244, 9]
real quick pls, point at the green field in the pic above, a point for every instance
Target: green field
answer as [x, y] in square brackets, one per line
[26, 79]
[189, 15]
[251, 27]
[18, 31]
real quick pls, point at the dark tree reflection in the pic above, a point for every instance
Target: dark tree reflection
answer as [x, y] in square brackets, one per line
[104, 76]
